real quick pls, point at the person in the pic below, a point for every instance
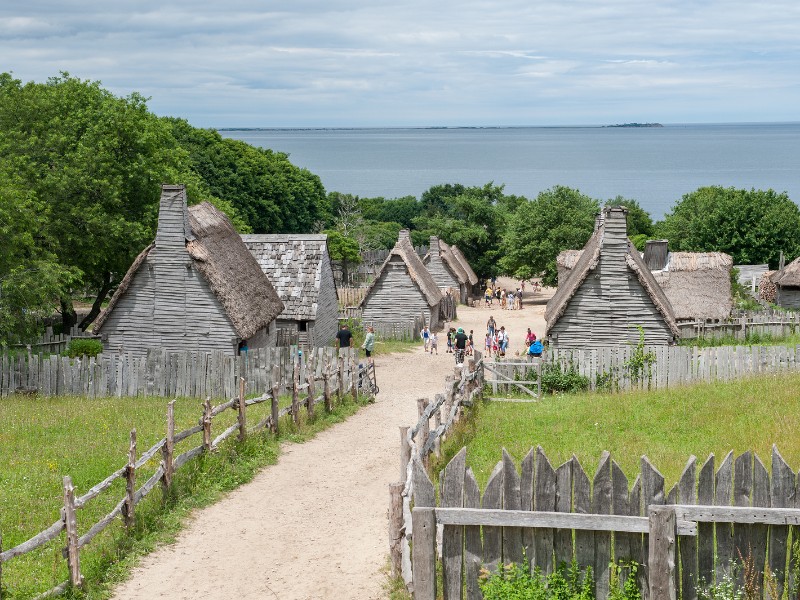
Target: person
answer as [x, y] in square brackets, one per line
[535, 349]
[434, 343]
[502, 339]
[425, 334]
[488, 296]
[496, 344]
[369, 343]
[502, 299]
[450, 333]
[461, 346]
[471, 345]
[344, 337]
[491, 325]
[530, 337]
[488, 346]
[510, 301]
[522, 285]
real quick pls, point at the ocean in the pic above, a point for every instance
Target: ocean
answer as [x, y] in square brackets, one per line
[655, 165]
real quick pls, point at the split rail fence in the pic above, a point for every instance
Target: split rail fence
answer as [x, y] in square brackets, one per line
[518, 376]
[331, 384]
[688, 536]
[159, 373]
[610, 367]
[418, 443]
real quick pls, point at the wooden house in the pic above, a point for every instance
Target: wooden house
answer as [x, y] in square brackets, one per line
[196, 287]
[446, 269]
[299, 267]
[472, 278]
[609, 294]
[403, 289]
[787, 284]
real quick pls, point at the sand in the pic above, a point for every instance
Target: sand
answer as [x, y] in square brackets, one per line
[315, 524]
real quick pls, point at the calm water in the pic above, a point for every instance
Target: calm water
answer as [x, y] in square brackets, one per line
[655, 166]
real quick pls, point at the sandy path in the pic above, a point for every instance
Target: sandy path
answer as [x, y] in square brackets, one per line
[315, 524]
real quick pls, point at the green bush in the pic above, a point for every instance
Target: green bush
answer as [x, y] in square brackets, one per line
[512, 582]
[555, 380]
[80, 347]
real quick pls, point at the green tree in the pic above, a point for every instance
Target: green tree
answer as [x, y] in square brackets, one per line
[557, 219]
[398, 210]
[640, 223]
[753, 226]
[343, 249]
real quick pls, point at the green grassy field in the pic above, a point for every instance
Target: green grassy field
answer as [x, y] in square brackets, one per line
[43, 439]
[667, 426]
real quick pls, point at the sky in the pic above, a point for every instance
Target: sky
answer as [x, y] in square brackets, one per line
[339, 63]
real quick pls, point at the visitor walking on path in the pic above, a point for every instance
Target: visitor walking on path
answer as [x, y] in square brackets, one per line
[461, 346]
[369, 343]
[344, 338]
[491, 325]
[434, 343]
[425, 334]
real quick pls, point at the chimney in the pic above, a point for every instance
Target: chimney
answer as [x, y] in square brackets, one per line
[434, 246]
[405, 234]
[173, 217]
[656, 253]
[598, 220]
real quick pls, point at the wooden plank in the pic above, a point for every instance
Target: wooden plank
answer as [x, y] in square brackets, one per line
[424, 553]
[652, 494]
[705, 531]
[452, 495]
[493, 536]
[687, 546]
[473, 547]
[544, 500]
[620, 505]
[742, 496]
[582, 504]
[562, 538]
[760, 498]
[663, 570]
[71, 525]
[602, 505]
[526, 502]
[424, 494]
[783, 489]
[723, 492]
[512, 536]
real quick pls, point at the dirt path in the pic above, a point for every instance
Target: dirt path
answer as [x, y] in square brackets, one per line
[315, 524]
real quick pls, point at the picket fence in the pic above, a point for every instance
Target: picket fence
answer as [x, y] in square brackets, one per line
[615, 368]
[160, 373]
[775, 324]
[687, 536]
[50, 343]
[324, 382]
[350, 296]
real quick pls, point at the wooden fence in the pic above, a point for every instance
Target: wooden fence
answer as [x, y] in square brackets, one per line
[324, 383]
[681, 537]
[50, 343]
[159, 373]
[775, 324]
[515, 376]
[350, 296]
[417, 444]
[617, 368]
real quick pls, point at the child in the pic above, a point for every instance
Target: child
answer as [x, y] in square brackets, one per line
[434, 343]
[450, 340]
[488, 344]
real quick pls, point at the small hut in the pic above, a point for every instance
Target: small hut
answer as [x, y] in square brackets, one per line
[403, 289]
[196, 287]
[787, 283]
[299, 267]
[609, 294]
[472, 278]
[697, 284]
[446, 269]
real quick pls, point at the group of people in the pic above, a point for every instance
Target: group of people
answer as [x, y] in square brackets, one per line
[496, 342]
[506, 299]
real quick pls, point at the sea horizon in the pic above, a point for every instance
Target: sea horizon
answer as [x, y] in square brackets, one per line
[631, 125]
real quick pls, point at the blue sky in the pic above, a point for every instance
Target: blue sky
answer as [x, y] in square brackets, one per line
[336, 63]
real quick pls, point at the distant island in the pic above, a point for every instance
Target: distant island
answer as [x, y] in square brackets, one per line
[636, 125]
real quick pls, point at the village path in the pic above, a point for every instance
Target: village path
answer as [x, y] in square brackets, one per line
[315, 524]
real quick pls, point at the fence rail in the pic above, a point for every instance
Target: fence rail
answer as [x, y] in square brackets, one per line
[50, 343]
[692, 533]
[776, 324]
[338, 378]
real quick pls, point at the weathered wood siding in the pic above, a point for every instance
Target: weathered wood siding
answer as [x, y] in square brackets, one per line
[788, 297]
[440, 272]
[324, 327]
[395, 297]
[610, 303]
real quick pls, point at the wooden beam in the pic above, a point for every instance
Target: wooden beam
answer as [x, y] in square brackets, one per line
[738, 514]
[663, 539]
[423, 554]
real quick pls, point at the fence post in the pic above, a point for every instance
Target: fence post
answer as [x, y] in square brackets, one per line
[423, 553]
[275, 395]
[207, 424]
[295, 392]
[71, 525]
[130, 483]
[326, 387]
[340, 364]
[396, 526]
[663, 537]
[242, 412]
[405, 453]
[169, 448]
[312, 388]
[354, 373]
[424, 431]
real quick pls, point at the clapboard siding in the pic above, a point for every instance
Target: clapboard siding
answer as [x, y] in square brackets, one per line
[440, 272]
[326, 324]
[788, 297]
[611, 302]
[396, 298]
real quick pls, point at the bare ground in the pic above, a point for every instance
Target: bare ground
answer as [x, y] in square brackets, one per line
[315, 524]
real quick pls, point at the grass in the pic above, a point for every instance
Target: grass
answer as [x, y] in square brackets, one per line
[43, 439]
[753, 339]
[666, 425]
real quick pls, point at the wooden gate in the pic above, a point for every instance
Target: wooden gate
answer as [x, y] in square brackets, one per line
[516, 376]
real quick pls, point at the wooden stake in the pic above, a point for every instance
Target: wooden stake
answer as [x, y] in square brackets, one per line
[168, 451]
[130, 483]
[354, 373]
[296, 393]
[663, 542]
[71, 524]
[207, 424]
[341, 376]
[312, 390]
[326, 390]
[242, 412]
[275, 395]
[405, 453]
[424, 430]
[423, 554]
[396, 536]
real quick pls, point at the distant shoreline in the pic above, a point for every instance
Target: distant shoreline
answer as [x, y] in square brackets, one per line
[508, 127]
[636, 125]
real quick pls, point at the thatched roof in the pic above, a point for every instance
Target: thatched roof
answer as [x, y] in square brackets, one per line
[294, 264]
[789, 276]
[218, 254]
[567, 259]
[449, 257]
[416, 270]
[471, 276]
[698, 284]
[586, 261]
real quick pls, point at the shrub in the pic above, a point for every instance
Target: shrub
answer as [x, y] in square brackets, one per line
[569, 381]
[512, 582]
[80, 347]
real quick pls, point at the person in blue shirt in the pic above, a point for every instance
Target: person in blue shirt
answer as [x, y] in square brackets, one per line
[535, 349]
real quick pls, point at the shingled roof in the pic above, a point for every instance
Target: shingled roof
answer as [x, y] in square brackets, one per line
[218, 254]
[293, 263]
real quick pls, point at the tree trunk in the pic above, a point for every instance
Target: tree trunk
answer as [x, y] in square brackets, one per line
[98, 301]
[68, 316]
